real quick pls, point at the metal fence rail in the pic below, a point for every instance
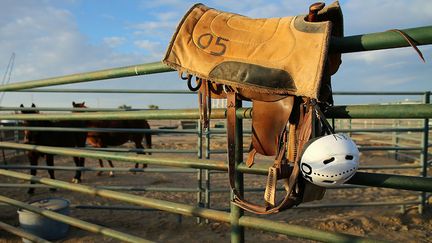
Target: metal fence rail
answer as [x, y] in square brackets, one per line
[404, 111]
[360, 178]
[178, 208]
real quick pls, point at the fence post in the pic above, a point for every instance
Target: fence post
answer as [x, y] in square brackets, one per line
[396, 124]
[350, 127]
[199, 171]
[207, 173]
[424, 154]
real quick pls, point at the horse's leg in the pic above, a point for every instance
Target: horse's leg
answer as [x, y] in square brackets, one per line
[33, 158]
[148, 144]
[78, 163]
[139, 145]
[111, 173]
[50, 162]
[82, 163]
[99, 173]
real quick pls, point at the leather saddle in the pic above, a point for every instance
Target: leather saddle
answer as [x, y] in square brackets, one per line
[282, 65]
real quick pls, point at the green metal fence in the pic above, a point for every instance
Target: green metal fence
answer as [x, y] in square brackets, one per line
[422, 35]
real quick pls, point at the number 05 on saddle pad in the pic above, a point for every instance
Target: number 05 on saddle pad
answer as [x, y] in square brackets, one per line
[282, 65]
[273, 55]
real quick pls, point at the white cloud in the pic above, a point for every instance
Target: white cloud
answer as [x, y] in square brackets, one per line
[382, 57]
[150, 26]
[147, 45]
[372, 16]
[167, 15]
[154, 48]
[145, 4]
[48, 43]
[114, 41]
[384, 81]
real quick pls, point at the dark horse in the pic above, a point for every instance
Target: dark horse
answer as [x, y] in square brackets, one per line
[105, 139]
[53, 138]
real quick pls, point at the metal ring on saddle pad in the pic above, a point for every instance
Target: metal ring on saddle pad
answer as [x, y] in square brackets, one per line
[189, 83]
[227, 88]
[188, 76]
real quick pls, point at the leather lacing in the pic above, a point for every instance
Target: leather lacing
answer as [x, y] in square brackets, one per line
[410, 41]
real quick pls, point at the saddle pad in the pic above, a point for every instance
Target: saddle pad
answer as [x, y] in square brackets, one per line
[272, 56]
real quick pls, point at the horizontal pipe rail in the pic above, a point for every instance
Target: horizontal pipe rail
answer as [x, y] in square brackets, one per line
[134, 150]
[178, 208]
[94, 129]
[112, 207]
[381, 40]
[108, 91]
[409, 111]
[114, 188]
[14, 108]
[361, 204]
[120, 72]
[163, 91]
[165, 189]
[360, 178]
[190, 131]
[339, 205]
[72, 168]
[361, 148]
[73, 221]
[388, 148]
[374, 41]
[221, 131]
[166, 170]
[389, 167]
[303, 206]
[380, 130]
[420, 111]
[22, 233]
[119, 115]
[377, 93]
[306, 206]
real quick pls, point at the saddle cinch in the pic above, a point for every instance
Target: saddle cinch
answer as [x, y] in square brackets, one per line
[282, 65]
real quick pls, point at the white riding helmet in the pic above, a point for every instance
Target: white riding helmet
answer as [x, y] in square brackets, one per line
[329, 160]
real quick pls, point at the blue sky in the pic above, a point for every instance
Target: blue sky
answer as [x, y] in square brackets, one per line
[53, 38]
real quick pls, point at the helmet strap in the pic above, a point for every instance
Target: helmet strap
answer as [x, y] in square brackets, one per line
[321, 117]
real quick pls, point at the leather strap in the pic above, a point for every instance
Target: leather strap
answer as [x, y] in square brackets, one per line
[410, 41]
[291, 198]
[251, 157]
[204, 100]
[231, 128]
[206, 104]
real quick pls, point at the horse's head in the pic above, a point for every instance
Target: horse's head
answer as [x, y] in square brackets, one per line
[30, 137]
[31, 110]
[78, 105]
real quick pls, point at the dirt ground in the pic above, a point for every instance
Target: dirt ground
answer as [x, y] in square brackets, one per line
[377, 222]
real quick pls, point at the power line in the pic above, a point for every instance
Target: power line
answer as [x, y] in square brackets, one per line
[7, 74]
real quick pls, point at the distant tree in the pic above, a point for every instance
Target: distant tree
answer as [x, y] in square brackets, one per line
[153, 107]
[125, 107]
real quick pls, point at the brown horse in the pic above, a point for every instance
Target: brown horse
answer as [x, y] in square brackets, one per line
[105, 139]
[53, 138]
